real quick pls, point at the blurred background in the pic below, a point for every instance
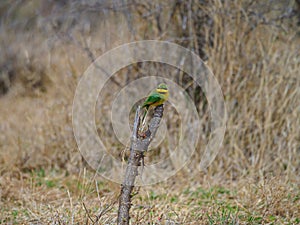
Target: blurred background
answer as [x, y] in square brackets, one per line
[253, 49]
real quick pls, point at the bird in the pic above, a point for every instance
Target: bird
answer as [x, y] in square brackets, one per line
[156, 97]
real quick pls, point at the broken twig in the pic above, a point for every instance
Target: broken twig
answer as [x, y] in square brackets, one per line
[139, 144]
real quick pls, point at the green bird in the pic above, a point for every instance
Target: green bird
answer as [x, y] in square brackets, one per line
[156, 97]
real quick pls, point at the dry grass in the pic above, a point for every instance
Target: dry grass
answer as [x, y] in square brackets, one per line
[255, 58]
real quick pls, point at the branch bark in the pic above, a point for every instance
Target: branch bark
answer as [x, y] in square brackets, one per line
[139, 144]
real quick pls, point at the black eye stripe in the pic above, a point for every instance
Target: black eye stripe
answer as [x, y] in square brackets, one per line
[164, 88]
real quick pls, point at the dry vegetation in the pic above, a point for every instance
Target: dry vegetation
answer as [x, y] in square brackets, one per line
[253, 48]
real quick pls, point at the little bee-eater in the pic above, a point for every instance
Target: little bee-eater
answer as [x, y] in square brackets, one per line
[156, 97]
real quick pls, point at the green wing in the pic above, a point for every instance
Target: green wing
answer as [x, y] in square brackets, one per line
[154, 97]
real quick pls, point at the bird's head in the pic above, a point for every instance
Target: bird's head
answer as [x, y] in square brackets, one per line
[162, 86]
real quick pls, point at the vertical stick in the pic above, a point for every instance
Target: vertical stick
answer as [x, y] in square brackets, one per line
[130, 175]
[137, 148]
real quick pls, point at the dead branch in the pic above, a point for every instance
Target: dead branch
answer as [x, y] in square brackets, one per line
[139, 144]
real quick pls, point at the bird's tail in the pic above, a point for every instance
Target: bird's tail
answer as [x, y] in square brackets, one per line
[144, 116]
